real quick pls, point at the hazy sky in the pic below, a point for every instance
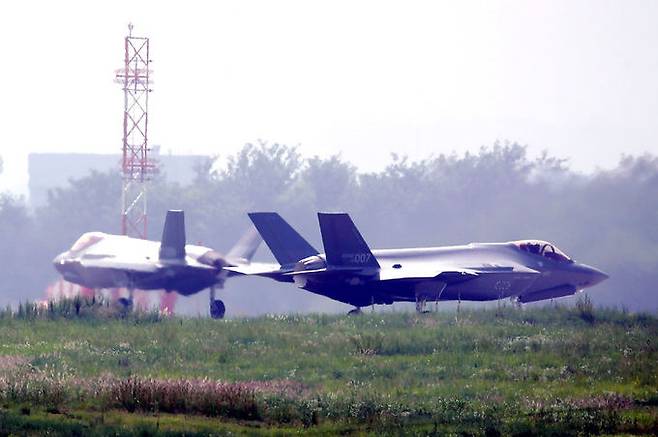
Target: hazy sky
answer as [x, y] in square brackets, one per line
[364, 79]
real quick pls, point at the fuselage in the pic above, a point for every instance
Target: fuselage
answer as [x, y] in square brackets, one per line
[499, 270]
[99, 260]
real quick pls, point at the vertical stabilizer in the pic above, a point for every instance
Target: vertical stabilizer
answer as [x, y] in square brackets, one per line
[286, 244]
[246, 246]
[343, 243]
[173, 236]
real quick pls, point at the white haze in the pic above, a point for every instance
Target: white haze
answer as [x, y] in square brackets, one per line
[364, 79]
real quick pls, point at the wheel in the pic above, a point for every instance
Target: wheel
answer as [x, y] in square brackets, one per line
[217, 309]
[354, 312]
[125, 302]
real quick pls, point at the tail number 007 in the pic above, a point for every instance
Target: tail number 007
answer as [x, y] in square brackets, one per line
[357, 258]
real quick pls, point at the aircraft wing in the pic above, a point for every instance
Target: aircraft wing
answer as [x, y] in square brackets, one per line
[107, 262]
[510, 268]
[449, 273]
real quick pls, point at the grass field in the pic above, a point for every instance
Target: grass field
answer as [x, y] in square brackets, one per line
[80, 369]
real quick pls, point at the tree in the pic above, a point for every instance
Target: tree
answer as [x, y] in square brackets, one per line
[607, 219]
[17, 240]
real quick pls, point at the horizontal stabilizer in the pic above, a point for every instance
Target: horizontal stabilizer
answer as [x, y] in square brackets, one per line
[254, 269]
[172, 246]
[286, 244]
[259, 269]
[343, 243]
[314, 272]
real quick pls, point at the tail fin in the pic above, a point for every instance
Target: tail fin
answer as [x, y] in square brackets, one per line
[173, 236]
[343, 244]
[246, 246]
[286, 244]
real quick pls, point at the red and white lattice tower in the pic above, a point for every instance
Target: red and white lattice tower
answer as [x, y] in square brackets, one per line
[137, 166]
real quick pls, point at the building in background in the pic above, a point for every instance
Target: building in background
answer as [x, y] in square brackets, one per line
[54, 170]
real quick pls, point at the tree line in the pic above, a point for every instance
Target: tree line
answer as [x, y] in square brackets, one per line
[608, 218]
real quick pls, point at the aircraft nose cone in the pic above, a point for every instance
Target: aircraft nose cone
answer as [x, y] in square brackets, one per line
[598, 276]
[594, 276]
[59, 261]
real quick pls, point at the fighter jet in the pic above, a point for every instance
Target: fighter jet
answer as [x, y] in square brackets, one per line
[350, 272]
[100, 260]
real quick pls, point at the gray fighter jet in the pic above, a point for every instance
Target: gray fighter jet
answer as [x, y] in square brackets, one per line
[348, 271]
[100, 260]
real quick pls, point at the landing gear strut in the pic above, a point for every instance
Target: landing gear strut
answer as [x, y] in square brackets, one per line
[428, 291]
[217, 308]
[420, 306]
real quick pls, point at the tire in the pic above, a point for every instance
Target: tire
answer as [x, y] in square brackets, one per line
[217, 309]
[125, 302]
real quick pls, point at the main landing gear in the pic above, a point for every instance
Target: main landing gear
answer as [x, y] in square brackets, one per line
[357, 311]
[421, 306]
[428, 291]
[127, 302]
[217, 307]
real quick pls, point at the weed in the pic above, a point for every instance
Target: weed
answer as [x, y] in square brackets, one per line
[585, 308]
[541, 370]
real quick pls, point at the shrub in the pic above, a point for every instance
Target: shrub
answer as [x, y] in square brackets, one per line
[211, 398]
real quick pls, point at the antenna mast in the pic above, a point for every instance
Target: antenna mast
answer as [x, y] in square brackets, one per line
[137, 167]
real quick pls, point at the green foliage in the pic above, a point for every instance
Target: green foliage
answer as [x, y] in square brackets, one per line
[77, 308]
[485, 372]
[606, 219]
[585, 308]
[205, 397]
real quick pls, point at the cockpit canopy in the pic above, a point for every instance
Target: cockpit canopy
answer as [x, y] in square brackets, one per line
[542, 248]
[86, 240]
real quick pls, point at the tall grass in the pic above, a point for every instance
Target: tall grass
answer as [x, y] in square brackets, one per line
[277, 405]
[77, 308]
[585, 308]
[485, 371]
